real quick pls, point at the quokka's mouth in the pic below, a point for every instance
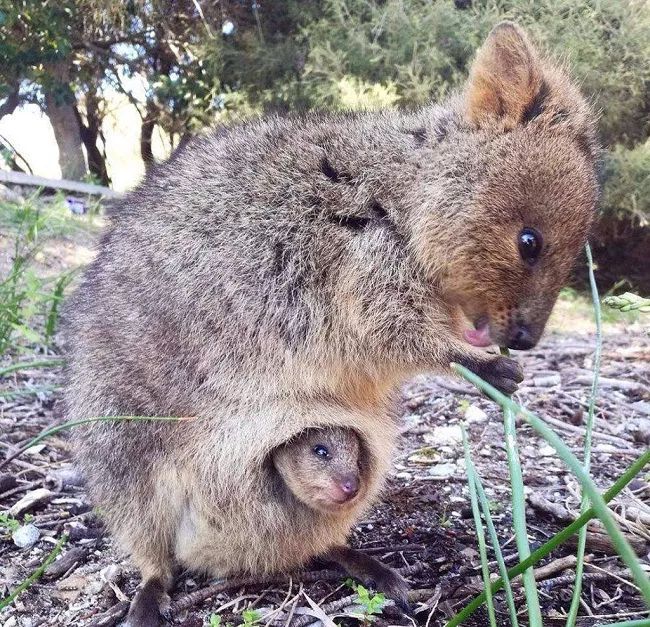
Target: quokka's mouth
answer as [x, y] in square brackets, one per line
[480, 334]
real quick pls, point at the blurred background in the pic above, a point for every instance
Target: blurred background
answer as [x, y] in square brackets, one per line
[97, 90]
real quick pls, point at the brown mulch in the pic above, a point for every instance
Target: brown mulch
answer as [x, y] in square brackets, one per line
[422, 525]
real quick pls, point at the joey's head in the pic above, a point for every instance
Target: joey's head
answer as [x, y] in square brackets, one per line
[323, 468]
[529, 152]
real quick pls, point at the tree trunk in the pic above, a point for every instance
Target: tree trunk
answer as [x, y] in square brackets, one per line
[146, 133]
[90, 133]
[59, 104]
[11, 102]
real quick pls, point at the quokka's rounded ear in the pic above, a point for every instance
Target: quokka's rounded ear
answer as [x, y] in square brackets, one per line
[505, 79]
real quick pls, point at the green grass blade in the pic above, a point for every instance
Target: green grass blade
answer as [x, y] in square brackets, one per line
[584, 503]
[28, 365]
[519, 514]
[641, 622]
[494, 539]
[619, 541]
[558, 539]
[52, 318]
[74, 423]
[37, 574]
[480, 534]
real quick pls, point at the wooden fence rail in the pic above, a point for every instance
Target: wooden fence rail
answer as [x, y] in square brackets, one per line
[20, 178]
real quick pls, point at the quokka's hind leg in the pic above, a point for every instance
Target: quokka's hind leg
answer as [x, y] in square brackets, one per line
[371, 573]
[151, 600]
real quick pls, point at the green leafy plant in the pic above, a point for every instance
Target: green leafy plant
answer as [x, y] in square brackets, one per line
[619, 541]
[30, 304]
[477, 493]
[215, 620]
[53, 304]
[557, 540]
[591, 416]
[373, 604]
[18, 290]
[628, 302]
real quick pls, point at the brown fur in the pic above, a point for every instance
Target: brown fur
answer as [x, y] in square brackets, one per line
[289, 274]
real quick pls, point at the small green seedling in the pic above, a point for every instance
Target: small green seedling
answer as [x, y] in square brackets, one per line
[372, 604]
[350, 583]
[215, 621]
[445, 521]
[9, 522]
[250, 617]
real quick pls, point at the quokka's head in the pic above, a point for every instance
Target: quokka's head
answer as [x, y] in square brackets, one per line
[530, 193]
[323, 468]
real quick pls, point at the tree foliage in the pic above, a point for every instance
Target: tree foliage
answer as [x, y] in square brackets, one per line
[186, 64]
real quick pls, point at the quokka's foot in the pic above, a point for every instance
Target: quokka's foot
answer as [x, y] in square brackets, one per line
[145, 610]
[372, 574]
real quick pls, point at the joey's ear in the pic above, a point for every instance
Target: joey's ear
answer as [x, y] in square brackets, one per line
[505, 79]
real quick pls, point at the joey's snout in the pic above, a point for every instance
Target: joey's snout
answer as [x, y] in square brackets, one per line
[344, 488]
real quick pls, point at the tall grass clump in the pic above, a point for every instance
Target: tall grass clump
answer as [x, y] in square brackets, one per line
[19, 288]
[593, 503]
[30, 304]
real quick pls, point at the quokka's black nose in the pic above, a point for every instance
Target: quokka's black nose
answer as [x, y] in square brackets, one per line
[521, 338]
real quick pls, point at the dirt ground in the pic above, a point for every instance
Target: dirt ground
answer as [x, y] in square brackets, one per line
[422, 525]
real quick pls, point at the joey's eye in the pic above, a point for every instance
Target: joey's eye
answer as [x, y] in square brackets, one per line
[321, 451]
[530, 245]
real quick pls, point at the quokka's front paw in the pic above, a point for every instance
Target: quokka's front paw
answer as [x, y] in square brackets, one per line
[500, 372]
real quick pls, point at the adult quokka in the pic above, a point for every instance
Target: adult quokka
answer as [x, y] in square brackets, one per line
[291, 273]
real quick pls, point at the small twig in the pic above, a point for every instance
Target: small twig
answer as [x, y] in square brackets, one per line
[194, 598]
[556, 566]
[598, 435]
[397, 548]
[111, 616]
[614, 575]
[566, 580]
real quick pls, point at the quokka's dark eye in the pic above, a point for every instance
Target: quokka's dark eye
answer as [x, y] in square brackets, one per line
[530, 245]
[321, 451]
